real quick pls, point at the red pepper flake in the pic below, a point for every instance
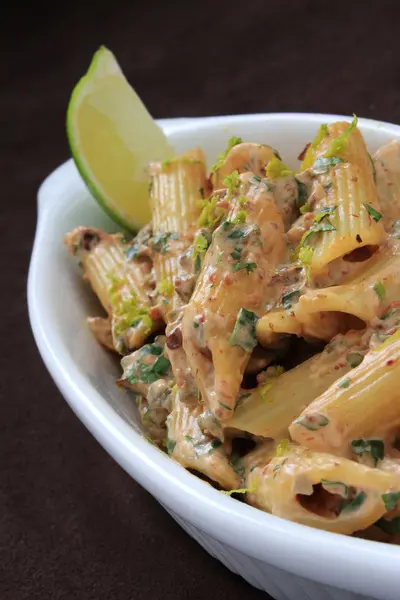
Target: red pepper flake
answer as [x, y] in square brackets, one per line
[303, 152]
[228, 279]
[213, 277]
[155, 313]
[391, 362]
[355, 216]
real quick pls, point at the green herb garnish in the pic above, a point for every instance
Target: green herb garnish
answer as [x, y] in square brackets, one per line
[302, 194]
[236, 253]
[160, 241]
[380, 291]
[354, 504]
[376, 448]
[233, 141]
[249, 266]
[345, 383]
[290, 298]
[170, 445]
[373, 213]
[391, 527]
[354, 359]
[390, 500]
[323, 164]
[149, 373]
[244, 332]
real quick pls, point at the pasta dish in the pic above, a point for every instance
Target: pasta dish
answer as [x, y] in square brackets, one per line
[258, 321]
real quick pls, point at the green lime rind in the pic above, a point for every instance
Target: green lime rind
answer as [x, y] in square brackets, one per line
[103, 63]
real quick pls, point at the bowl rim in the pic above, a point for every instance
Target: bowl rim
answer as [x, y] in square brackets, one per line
[351, 563]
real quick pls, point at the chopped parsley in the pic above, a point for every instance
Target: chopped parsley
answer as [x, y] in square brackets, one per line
[312, 421]
[224, 405]
[240, 399]
[149, 373]
[354, 359]
[160, 241]
[323, 164]
[244, 332]
[376, 448]
[302, 194]
[249, 266]
[391, 527]
[276, 169]
[320, 224]
[345, 383]
[373, 213]
[390, 500]
[201, 192]
[290, 298]
[132, 251]
[236, 233]
[380, 291]
[170, 445]
[233, 141]
[355, 503]
[197, 263]
[196, 325]
[236, 254]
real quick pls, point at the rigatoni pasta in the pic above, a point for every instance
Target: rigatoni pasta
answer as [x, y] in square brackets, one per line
[275, 294]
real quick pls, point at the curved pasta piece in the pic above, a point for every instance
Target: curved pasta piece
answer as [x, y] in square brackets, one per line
[218, 322]
[269, 409]
[122, 284]
[189, 446]
[349, 411]
[318, 489]
[387, 168]
[243, 157]
[365, 296]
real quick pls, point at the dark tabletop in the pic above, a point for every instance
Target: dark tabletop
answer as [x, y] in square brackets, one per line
[73, 525]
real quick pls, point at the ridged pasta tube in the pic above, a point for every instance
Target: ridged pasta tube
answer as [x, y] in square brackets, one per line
[359, 406]
[118, 282]
[318, 489]
[269, 409]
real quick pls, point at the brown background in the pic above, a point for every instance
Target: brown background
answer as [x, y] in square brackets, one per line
[73, 525]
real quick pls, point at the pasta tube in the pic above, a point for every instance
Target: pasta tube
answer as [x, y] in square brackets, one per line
[347, 416]
[269, 409]
[118, 282]
[318, 489]
[365, 297]
[219, 321]
[387, 168]
[349, 221]
[343, 199]
[194, 450]
[241, 157]
[177, 188]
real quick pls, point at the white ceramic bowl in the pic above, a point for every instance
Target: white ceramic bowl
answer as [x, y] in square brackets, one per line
[287, 560]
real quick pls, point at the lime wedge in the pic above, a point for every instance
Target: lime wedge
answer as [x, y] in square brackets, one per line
[112, 139]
